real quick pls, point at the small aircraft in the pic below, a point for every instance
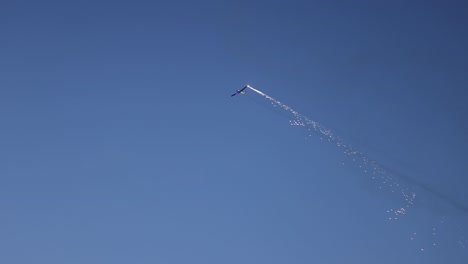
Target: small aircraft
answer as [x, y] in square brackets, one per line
[241, 91]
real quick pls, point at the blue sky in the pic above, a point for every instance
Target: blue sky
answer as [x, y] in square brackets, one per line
[119, 142]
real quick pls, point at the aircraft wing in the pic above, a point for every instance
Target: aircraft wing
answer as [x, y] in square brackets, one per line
[241, 91]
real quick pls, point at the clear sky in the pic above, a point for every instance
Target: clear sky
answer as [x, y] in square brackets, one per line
[120, 143]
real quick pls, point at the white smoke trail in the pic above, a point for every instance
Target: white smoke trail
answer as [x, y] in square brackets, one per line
[386, 178]
[368, 166]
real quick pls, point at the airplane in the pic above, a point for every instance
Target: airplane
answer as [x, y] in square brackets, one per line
[241, 91]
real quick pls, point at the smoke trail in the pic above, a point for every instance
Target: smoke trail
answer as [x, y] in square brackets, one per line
[382, 175]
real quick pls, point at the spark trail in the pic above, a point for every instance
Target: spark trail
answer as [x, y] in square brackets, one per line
[397, 182]
[368, 166]
[386, 178]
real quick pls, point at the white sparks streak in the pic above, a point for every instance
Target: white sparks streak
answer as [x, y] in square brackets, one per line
[383, 178]
[365, 163]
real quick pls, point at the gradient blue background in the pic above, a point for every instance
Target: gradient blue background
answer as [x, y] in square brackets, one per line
[119, 142]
